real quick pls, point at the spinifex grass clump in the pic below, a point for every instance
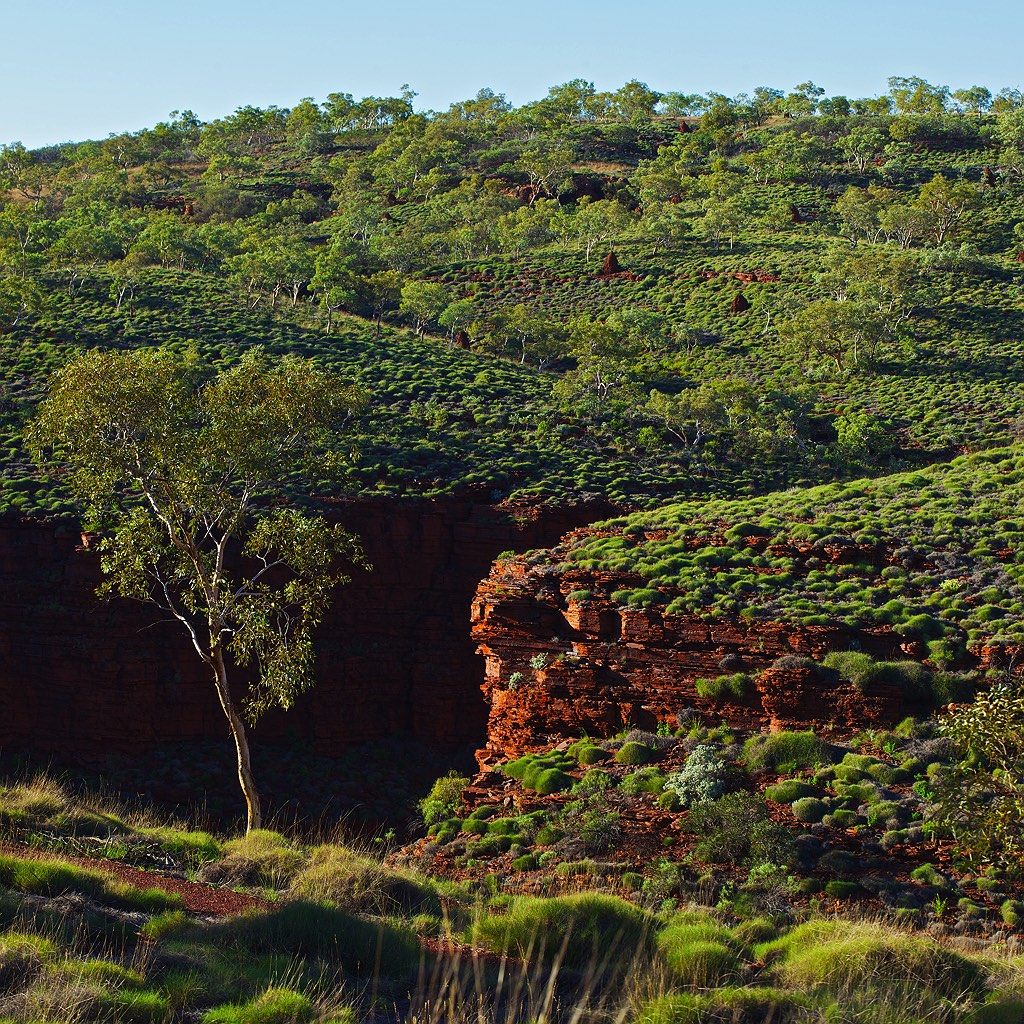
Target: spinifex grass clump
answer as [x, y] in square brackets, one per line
[785, 751]
[578, 930]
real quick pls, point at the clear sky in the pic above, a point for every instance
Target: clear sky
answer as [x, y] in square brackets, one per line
[84, 69]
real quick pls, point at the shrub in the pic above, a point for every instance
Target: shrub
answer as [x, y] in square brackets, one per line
[809, 809]
[841, 819]
[444, 798]
[839, 890]
[594, 781]
[884, 814]
[274, 1006]
[736, 829]
[923, 627]
[785, 752]
[590, 925]
[669, 801]
[1012, 912]
[787, 791]
[726, 1004]
[635, 753]
[554, 780]
[591, 755]
[852, 666]
[842, 955]
[703, 777]
[342, 876]
[723, 687]
[700, 963]
[646, 780]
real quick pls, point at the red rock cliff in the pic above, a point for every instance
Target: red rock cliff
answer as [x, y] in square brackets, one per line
[81, 677]
[557, 667]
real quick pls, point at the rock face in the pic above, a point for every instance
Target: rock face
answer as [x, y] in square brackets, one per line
[81, 677]
[558, 666]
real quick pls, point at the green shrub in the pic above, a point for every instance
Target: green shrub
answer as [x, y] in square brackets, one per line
[528, 862]
[635, 753]
[444, 798]
[841, 890]
[852, 666]
[700, 963]
[274, 1006]
[787, 791]
[884, 813]
[785, 752]
[260, 858]
[590, 925]
[646, 780]
[548, 835]
[1012, 912]
[719, 688]
[595, 781]
[339, 875]
[704, 776]
[846, 955]
[591, 755]
[669, 801]
[727, 1004]
[809, 809]
[554, 780]
[737, 828]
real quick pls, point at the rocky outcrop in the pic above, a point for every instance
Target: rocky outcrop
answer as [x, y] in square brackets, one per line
[560, 664]
[80, 677]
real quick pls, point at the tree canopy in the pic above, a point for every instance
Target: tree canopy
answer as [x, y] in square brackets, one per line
[175, 466]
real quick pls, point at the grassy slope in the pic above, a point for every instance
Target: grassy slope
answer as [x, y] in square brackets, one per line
[349, 940]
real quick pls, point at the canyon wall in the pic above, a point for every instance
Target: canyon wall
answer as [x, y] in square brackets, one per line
[80, 677]
[558, 667]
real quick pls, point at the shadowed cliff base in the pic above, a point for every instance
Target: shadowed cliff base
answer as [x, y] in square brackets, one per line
[81, 680]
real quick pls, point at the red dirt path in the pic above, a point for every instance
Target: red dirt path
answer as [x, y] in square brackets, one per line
[197, 897]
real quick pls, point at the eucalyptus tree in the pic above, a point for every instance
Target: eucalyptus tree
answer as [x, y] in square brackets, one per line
[175, 467]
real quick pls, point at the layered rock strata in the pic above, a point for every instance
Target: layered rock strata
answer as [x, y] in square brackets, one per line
[557, 667]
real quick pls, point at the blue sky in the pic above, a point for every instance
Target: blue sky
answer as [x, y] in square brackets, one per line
[75, 70]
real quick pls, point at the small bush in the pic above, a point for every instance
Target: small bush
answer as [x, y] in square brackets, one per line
[1012, 912]
[844, 955]
[635, 753]
[884, 814]
[720, 688]
[809, 809]
[727, 1004]
[646, 780]
[554, 780]
[260, 858]
[841, 890]
[274, 1006]
[704, 777]
[444, 798]
[737, 829]
[700, 963]
[789, 790]
[590, 925]
[340, 875]
[785, 752]
[591, 755]
[299, 929]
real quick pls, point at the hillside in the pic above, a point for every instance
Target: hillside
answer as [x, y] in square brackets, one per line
[697, 419]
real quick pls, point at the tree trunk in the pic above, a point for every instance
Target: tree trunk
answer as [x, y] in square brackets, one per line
[254, 817]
